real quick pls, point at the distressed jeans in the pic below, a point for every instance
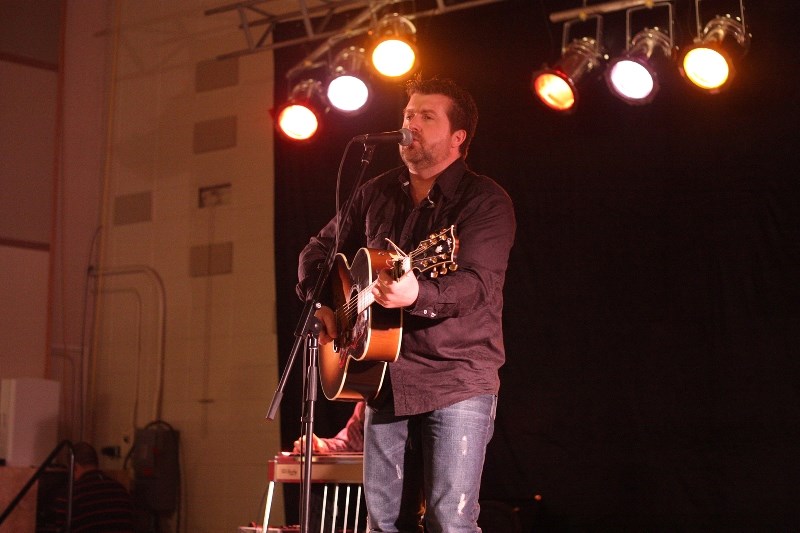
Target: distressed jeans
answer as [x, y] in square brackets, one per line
[435, 457]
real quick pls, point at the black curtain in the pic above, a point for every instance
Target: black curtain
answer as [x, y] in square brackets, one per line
[652, 315]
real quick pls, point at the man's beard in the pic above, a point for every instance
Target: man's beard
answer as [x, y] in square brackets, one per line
[418, 156]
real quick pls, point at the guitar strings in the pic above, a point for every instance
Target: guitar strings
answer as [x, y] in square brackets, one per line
[350, 309]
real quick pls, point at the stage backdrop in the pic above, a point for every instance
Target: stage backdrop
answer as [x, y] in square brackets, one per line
[652, 305]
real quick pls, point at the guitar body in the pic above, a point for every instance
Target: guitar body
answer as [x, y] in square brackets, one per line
[353, 366]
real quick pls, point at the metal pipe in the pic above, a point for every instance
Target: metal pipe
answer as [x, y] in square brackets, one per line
[607, 7]
[149, 271]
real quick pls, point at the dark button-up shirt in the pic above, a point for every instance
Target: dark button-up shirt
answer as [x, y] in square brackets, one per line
[452, 340]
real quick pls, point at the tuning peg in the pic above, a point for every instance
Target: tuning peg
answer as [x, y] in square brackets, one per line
[434, 274]
[453, 267]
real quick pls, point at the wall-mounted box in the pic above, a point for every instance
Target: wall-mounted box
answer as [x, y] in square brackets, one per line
[28, 420]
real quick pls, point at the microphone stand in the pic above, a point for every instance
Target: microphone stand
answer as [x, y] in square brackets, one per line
[307, 329]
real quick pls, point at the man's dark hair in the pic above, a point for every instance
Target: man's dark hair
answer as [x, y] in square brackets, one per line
[85, 454]
[463, 113]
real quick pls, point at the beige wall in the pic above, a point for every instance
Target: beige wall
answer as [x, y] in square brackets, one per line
[28, 98]
[28, 114]
[179, 124]
[23, 312]
[30, 29]
[160, 309]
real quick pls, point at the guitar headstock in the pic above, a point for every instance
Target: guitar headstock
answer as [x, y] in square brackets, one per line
[437, 253]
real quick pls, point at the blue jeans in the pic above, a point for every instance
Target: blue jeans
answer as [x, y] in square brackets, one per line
[435, 457]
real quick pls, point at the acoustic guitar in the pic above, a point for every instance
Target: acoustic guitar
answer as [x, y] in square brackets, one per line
[352, 367]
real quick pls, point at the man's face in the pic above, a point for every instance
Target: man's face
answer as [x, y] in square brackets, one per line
[426, 117]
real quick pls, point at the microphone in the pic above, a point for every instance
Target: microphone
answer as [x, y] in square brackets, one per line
[402, 136]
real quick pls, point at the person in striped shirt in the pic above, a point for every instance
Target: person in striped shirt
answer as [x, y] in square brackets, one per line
[100, 504]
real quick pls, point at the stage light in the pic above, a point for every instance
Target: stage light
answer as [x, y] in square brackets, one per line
[709, 62]
[300, 117]
[348, 92]
[394, 54]
[557, 87]
[633, 76]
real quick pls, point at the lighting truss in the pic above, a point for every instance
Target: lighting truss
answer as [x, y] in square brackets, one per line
[325, 80]
[258, 22]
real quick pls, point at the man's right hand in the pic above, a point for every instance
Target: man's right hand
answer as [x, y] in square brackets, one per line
[318, 445]
[326, 316]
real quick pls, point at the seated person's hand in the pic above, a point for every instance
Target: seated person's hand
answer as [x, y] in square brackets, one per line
[318, 445]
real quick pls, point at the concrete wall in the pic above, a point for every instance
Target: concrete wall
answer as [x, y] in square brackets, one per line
[151, 260]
